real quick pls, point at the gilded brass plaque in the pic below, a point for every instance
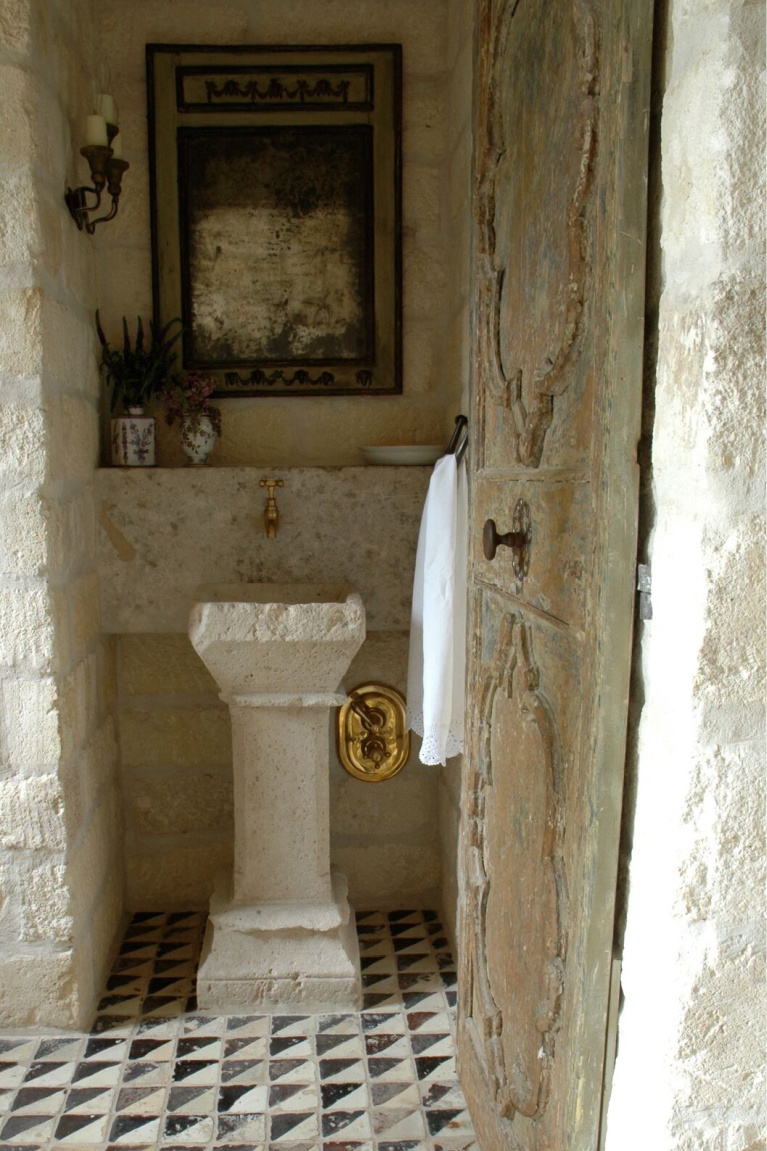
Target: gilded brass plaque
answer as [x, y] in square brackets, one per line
[373, 743]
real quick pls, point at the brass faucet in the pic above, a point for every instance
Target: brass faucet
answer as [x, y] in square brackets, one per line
[271, 511]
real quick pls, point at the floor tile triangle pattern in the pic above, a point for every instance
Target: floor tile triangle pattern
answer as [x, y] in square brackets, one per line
[154, 1072]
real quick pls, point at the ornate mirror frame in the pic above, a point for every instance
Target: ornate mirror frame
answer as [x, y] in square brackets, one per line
[275, 182]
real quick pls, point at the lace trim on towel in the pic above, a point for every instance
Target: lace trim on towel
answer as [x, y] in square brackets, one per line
[436, 747]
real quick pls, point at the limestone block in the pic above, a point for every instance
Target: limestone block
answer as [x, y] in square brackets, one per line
[384, 657]
[26, 628]
[98, 762]
[421, 369]
[23, 538]
[107, 672]
[460, 82]
[424, 119]
[20, 230]
[71, 532]
[402, 809]
[20, 348]
[84, 615]
[131, 225]
[723, 871]
[332, 521]
[338, 431]
[725, 1061]
[460, 181]
[17, 25]
[32, 125]
[29, 722]
[106, 926]
[389, 875]
[425, 281]
[69, 347]
[162, 665]
[460, 21]
[176, 878]
[180, 804]
[74, 438]
[78, 265]
[176, 737]
[194, 21]
[422, 199]
[418, 24]
[94, 858]
[73, 799]
[41, 990]
[129, 293]
[32, 813]
[78, 705]
[45, 909]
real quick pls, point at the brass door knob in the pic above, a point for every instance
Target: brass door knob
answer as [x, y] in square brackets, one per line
[518, 539]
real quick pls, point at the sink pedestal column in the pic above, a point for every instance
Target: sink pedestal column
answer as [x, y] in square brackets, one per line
[280, 933]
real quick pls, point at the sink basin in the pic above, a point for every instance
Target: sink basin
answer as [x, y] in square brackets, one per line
[276, 638]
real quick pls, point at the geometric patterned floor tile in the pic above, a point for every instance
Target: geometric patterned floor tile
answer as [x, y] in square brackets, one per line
[155, 1073]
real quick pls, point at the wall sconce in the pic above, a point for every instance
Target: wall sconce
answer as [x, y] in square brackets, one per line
[103, 151]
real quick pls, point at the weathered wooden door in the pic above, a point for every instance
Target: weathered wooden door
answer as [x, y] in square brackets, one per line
[561, 119]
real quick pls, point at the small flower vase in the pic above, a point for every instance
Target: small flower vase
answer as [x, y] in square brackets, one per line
[198, 439]
[133, 440]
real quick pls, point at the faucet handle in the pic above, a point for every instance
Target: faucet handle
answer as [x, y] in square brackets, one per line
[270, 485]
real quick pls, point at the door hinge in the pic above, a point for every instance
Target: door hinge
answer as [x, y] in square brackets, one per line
[644, 587]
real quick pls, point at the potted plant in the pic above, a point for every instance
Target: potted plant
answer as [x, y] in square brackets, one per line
[187, 401]
[135, 374]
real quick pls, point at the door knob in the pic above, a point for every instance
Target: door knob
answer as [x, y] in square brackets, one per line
[518, 539]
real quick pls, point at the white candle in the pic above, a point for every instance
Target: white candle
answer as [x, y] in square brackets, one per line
[96, 130]
[106, 107]
[117, 147]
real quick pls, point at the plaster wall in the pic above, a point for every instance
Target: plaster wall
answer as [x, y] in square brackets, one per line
[60, 859]
[289, 432]
[694, 1025]
[165, 532]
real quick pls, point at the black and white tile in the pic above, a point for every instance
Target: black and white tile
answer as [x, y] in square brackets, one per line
[155, 1073]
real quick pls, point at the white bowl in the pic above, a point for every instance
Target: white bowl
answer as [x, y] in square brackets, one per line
[404, 454]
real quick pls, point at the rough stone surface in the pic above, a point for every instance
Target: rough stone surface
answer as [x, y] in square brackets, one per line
[173, 875]
[180, 804]
[176, 737]
[163, 664]
[60, 866]
[355, 526]
[694, 1024]
[278, 653]
[389, 875]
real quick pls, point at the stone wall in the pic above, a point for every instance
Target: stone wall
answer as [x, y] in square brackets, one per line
[286, 432]
[460, 79]
[165, 532]
[694, 1025]
[60, 858]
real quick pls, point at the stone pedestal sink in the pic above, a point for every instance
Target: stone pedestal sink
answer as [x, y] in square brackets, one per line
[280, 932]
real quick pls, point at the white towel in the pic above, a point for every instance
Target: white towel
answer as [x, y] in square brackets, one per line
[435, 690]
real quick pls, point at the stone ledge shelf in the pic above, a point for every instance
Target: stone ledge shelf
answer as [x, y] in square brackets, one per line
[280, 933]
[165, 531]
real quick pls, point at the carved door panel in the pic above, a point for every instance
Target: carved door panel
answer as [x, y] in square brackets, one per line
[561, 110]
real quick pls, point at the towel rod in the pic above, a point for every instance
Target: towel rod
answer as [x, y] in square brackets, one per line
[461, 450]
[460, 424]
